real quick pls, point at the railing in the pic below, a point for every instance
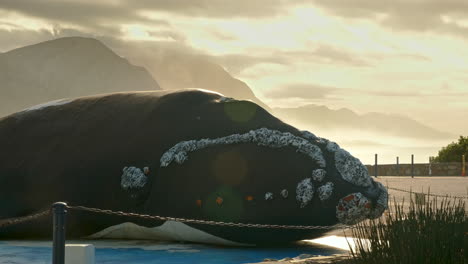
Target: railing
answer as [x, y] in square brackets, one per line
[418, 169]
[60, 210]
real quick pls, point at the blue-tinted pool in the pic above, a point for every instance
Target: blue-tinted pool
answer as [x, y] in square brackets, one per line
[145, 252]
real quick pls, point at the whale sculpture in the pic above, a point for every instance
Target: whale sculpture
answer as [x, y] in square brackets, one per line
[190, 154]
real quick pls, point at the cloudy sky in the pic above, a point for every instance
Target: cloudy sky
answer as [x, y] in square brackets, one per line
[407, 57]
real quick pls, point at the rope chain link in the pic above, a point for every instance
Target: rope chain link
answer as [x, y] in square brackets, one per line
[23, 219]
[205, 222]
[429, 194]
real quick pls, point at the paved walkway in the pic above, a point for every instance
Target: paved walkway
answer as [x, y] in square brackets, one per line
[452, 186]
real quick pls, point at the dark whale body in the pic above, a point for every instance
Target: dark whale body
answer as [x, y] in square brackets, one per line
[191, 154]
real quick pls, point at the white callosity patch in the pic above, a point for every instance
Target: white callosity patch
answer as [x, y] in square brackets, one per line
[48, 104]
[318, 174]
[382, 202]
[332, 146]
[224, 99]
[322, 141]
[353, 209]
[132, 178]
[284, 193]
[304, 192]
[308, 135]
[325, 191]
[268, 196]
[351, 169]
[262, 137]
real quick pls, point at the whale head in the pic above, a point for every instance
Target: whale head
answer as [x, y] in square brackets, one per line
[246, 166]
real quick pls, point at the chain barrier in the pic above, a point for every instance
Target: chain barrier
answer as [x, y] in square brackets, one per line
[22, 219]
[204, 222]
[18, 220]
[428, 194]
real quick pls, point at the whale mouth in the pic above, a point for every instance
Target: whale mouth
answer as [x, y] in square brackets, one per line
[359, 206]
[381, 202]
[371, 202]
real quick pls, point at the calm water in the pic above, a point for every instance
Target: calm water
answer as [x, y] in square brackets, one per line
[143, 252]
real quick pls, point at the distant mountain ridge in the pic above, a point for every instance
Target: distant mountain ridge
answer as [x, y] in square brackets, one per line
[77, 66]
[62, 68]
[178, 70]
[388, 124]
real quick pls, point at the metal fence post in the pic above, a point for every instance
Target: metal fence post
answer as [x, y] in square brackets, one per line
[375, 168]
[463, 166]
[398, 166]
[431, 159]
[58, 249]
[412, 165]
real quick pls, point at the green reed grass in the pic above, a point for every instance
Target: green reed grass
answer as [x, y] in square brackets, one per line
[430, 231]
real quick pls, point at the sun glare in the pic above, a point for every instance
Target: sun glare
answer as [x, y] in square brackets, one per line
[144, 33]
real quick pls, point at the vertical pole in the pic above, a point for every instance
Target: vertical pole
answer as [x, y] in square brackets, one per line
[58, 248]
[463, 166]
[375, 168]
[412, 165]
[430, 165]
[398, 166]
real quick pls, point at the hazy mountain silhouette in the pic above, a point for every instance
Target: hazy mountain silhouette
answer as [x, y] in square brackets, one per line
[175, 69]
[344, 119]
[62, 68]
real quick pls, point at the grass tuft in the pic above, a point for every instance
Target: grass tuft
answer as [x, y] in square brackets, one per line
[430, 231]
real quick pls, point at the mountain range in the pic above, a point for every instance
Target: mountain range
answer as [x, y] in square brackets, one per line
[78, 66]
[324, 118]
[176, 69]
[63, 68]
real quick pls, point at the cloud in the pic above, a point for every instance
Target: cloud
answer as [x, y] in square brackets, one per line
[95, 16]
[11, 39]
[310, 92]
[327, 54]
[122, 18]
[136, 51]
[415, 15]
[301, 90]
[216, 9]
[322, 54]
[101, 12]
[418, 94]
[236, 63]
[363, 143]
